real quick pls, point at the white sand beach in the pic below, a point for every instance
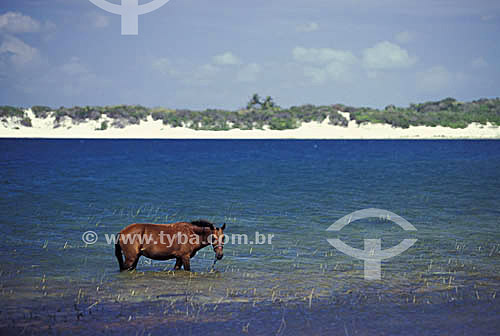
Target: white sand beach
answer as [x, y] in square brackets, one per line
[150, 129]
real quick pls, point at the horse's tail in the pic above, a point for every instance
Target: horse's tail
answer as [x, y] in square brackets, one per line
[118, 252]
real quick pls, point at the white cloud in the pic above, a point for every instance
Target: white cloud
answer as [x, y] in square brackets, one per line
[479, 63]
[200, 75]
[14, 22]
[226, 58]
[307, 27]
[321, 64]
[98, 20]
[386, 55]
[74, 67]
[187, 73]
[334, 70]
[77, 78]
[165, 67]
[404, 37]
[315, 74]
[17, 52]
[437, 79]
[204, 74]
[488, 17]
[322, 55]
[372, 74]
[206, 70]
[249, 73]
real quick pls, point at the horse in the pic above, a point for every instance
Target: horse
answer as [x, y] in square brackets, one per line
[179, 240]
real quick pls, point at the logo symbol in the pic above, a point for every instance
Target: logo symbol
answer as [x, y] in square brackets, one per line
[372, 253]
[89, 237]
[130, 11]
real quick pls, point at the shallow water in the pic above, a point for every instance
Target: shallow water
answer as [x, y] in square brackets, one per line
[52, 191]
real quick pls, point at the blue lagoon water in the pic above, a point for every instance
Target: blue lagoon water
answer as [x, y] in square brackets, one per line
[52, 191]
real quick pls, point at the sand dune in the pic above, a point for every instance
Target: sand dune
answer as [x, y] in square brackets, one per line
[150, 129]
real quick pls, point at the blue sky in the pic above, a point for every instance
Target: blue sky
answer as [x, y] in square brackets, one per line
[217, 53]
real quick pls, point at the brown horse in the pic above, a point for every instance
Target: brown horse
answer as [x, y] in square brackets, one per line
[167, 241]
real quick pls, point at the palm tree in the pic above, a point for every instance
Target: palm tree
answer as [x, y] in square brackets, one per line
[268, 103]
[255, 100]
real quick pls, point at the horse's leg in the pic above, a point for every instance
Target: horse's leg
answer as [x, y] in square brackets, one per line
[178, 264]
[186, 261]
[132, 255]
[131, 262]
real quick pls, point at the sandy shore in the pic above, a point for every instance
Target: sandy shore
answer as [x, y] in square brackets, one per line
[150, 129]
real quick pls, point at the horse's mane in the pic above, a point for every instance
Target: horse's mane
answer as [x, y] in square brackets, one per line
[203, 223]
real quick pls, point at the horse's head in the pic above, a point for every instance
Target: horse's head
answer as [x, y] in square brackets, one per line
[218, 241]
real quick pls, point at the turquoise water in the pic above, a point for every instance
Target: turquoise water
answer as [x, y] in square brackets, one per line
[52, 191]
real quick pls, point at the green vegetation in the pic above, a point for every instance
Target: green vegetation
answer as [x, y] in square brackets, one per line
[10, 111]
[123, 115]
[104, 126]
[260, 113]
[41, 111]
[257, 115]
[447, 112]
[26, 122]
